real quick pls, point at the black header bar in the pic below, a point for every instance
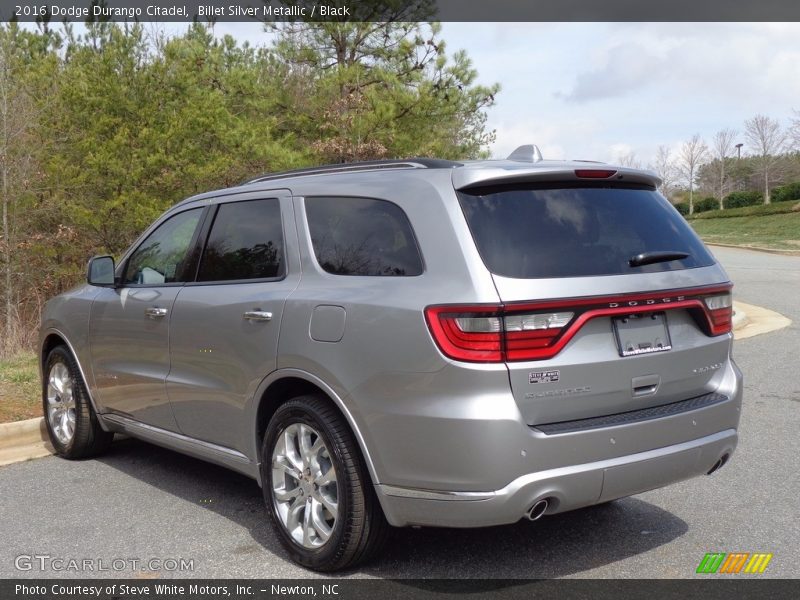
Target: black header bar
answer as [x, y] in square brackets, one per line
[270, 11]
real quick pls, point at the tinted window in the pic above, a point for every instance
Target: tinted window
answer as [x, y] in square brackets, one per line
[162, 256]
[573, 232]
[362, 236]
[246, 242]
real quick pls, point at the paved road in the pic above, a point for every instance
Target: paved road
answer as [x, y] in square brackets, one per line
[143, 502]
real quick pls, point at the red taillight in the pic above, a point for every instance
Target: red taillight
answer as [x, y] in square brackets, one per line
[720, 312]
[472, 345]
[594, 173]
[540, 330]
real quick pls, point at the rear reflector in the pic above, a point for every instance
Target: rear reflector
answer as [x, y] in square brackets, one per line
[539, 330]
[595, 173]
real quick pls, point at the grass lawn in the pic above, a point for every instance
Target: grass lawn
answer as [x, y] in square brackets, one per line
[20, 397]
[777, 232]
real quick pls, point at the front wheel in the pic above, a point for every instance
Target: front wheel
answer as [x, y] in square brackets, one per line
[317, 489]
[71, 422]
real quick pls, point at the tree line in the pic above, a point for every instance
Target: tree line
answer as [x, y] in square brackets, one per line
[102, 131]
[743, 165]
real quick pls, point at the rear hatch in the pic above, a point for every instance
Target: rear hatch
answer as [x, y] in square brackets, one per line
[609, 301]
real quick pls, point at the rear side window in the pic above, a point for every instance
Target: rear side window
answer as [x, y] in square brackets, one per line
[246, 242]
[362, 236]
[529, 233]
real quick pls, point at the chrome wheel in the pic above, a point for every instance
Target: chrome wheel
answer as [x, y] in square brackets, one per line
[304, 488]
[61, 402]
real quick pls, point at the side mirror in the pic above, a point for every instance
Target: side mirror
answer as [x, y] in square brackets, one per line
[101, 271]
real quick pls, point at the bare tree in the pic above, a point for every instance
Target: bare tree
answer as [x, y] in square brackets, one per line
[664, 166]
[628, 159]
[16, 121]
[768, 140]
[794, 131]
[723, 145]
[693, 153]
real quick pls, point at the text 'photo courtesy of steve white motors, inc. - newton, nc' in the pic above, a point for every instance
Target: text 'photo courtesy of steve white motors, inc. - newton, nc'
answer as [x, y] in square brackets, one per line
[266, 11]
[195, 590]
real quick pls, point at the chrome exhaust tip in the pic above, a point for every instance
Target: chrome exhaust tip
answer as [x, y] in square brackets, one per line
[718, 465]
[537, 510]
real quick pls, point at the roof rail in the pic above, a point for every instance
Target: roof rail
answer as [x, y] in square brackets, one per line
[368, 165]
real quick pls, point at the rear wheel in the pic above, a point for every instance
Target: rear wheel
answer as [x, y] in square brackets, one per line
[71, 422]
[317, 489]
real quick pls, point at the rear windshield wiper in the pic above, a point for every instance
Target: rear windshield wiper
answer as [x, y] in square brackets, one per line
[648, 258]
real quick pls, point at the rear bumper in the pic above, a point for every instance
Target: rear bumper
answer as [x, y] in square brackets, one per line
[566, 488]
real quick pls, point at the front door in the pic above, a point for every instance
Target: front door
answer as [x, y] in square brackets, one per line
[129, 324]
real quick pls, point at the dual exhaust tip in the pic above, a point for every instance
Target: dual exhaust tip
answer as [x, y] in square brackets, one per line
[537, 510]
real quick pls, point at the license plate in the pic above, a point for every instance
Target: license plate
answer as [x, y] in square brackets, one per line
[641, 334]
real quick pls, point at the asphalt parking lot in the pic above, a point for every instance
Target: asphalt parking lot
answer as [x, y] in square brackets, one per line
[141, 502]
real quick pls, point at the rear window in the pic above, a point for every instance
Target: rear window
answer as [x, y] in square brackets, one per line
[529, 233]
[362, 236]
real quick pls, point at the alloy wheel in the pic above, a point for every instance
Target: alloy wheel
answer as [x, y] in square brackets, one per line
[304, 485]
[61, 402]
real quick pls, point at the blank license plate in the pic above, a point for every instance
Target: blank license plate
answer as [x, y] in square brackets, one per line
[641, 334]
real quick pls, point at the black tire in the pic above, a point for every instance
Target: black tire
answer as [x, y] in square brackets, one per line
[88, 438]
[360, 528]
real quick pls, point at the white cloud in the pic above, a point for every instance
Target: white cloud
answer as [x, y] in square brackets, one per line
[587, 89]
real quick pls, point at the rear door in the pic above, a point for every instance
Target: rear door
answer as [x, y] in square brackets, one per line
[225, 325]
[606, 293]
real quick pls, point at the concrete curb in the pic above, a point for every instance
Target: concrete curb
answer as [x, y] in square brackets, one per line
[756, 249]
[757, 320]
[740, 319]
[23, 440]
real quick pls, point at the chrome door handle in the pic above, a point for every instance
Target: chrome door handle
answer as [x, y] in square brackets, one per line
[155, 312]
[258, 315]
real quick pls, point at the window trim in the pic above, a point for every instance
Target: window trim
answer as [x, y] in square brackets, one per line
[205, 234]
[190, 248]
[326, 273]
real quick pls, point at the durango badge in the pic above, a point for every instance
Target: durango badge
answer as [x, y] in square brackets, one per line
[543, 376]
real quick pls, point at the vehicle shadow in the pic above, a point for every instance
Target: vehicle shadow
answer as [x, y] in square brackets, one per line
[555, 546]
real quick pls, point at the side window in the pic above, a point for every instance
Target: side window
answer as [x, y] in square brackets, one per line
[246, 242]
[162, 256]
[362, 236]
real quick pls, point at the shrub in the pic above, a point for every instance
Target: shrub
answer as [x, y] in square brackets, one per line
[706, 204]
[682, 207]
[785, 193]
[775, 208]
[740, 199]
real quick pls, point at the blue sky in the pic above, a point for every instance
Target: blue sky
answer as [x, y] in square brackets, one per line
[602, 90]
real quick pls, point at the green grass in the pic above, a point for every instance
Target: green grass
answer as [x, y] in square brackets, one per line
[771, 231]
[19, 388]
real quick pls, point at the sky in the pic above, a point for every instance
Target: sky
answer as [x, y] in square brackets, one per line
[599, 91]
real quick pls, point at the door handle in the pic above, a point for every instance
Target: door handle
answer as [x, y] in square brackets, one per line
[155, 312]
[258, 315]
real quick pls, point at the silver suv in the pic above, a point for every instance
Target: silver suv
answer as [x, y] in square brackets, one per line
[416, 342]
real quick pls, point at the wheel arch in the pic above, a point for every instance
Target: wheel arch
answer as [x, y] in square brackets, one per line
[286, 384]
[52, 339]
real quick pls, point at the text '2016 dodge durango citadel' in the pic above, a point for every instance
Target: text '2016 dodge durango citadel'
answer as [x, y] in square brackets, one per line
[417, 342]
